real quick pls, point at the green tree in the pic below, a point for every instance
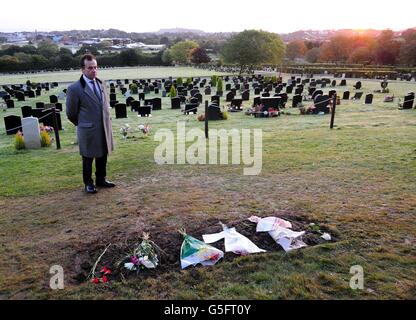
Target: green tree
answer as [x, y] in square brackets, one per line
[253, 47]
[87, 49]
[48, 49]
[166, 57]
[129, 57]
[180, 51]
[220, 85]
[172, 92]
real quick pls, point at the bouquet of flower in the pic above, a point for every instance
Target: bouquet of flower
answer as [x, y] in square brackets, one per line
[125, 130]
[145, 129]
[143, 256]
[105, 272]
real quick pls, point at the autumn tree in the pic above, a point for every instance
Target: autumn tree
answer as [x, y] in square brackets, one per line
[387, 49]
[180, 51]
[199, 55]
[296, 49]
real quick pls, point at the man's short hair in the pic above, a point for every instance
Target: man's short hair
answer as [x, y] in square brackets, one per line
[88, 57]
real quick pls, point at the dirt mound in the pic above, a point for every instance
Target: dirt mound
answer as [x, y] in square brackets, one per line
[170, 243]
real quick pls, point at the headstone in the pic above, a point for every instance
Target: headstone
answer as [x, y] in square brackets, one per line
[343, 82]
[236, 103]
[333, 83]
[40, 105]
[156, 90]
[129, 100]
[331, 93]
[121, 110]
[26, 111]
[245, 95]
[215, 98]
[113, 97]
[229, 96]
[191, 107]
[357, 85]
[289, 89]
[369, 98]
[145, 111]
[198, 96]
[135, 105]
[296, 100]
[321, 103]
[141, 96]
[53, 99]
[20, 96]
[10, 103]
[346, 95]
[257, 91]
[207, 91]
[113, 103]
[175, 103]
[408, 101]
[214, 112]
[157, 103]
[58, 106]
[12, 124]
[31, 132]
[316, 93]
[31, 94]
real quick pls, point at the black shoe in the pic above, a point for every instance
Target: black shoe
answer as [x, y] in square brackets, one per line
[90, 188]
[105, 184]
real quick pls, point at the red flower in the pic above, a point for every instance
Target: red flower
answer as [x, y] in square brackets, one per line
[105, 270]
[105, 279]
[95, 280]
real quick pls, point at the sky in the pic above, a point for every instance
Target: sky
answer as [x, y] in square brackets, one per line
[209, 15]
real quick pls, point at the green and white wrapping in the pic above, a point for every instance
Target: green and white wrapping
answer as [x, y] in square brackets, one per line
[194, 251]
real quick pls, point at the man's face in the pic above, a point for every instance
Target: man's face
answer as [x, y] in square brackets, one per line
[90, 69]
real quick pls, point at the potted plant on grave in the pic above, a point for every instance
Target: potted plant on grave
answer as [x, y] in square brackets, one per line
[220, 87]
[172, 92]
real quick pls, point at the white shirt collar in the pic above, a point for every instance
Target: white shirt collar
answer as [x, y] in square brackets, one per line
[87, 80]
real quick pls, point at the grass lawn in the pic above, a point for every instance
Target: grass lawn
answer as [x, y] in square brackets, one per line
[356, 182]
[107, 74]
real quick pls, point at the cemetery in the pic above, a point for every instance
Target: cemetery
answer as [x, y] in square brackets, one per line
[344, 196]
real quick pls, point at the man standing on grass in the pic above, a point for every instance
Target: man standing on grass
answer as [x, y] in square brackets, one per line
[87, 107]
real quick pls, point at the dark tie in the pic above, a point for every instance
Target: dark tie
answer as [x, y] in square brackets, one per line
[96, 90]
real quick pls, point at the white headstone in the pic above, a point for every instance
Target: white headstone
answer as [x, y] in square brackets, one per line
[31, 132]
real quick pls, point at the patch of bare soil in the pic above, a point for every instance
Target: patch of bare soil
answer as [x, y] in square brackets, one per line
[170, 243]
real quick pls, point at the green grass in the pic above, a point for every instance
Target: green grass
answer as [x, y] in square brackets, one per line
[108, 74]
[357, 181]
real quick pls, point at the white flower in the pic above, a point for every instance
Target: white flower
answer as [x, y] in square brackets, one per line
[326, 236]
[147, 263]
[130, 266]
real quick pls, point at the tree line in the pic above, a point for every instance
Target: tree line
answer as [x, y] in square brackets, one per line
[49, 56]
[365, 48]
[245, 50]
